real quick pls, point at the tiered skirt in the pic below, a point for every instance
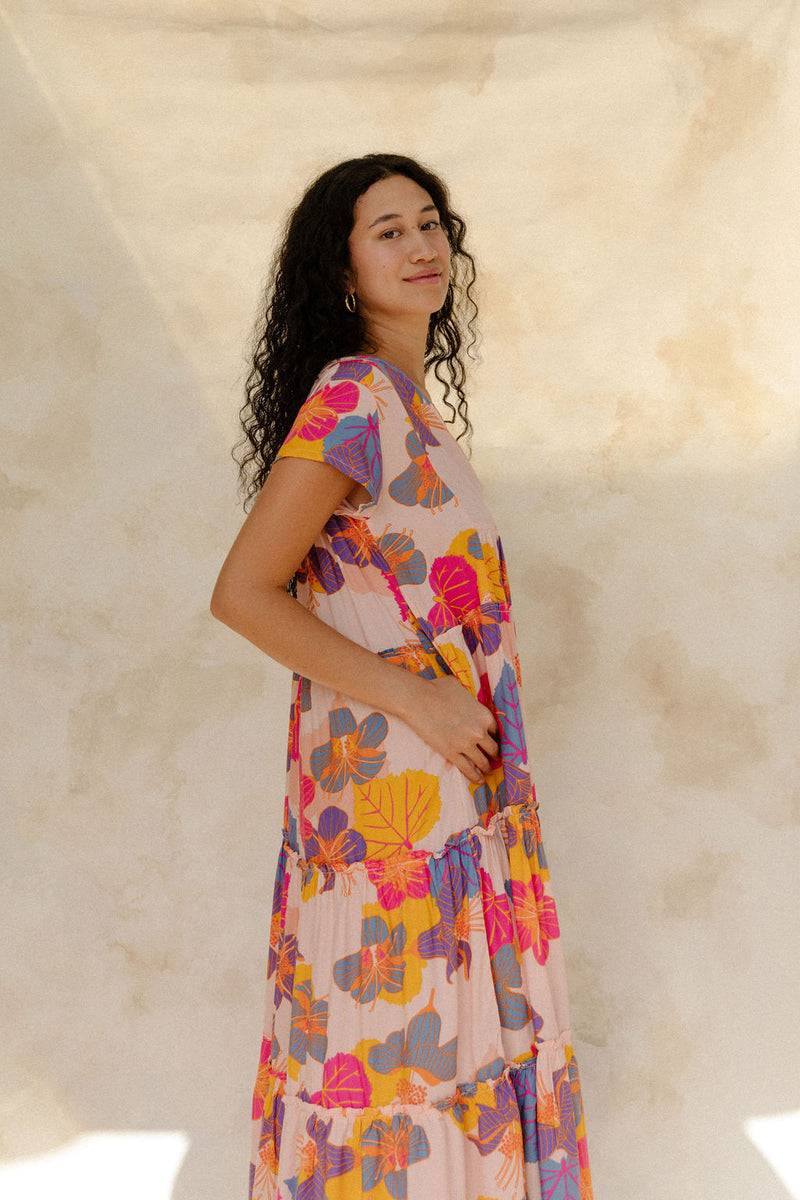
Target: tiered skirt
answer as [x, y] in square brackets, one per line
[417, 1042]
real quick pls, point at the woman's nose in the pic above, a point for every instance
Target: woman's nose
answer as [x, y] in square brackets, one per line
[420, 248]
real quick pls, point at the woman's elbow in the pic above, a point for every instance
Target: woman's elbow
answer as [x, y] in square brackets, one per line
[226, 598]
[219, 605]
[238, 605]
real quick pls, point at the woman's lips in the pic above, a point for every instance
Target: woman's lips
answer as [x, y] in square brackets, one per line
[427, 277]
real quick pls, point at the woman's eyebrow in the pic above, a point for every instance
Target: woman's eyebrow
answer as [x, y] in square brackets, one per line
[397, 216]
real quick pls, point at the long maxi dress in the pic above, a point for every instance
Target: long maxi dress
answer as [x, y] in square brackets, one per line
[417, 1042]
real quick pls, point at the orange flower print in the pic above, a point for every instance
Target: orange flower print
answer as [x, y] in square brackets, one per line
[419, 483]
[309, 1034]
[377, 966]
[388, 1150]
[352, 752]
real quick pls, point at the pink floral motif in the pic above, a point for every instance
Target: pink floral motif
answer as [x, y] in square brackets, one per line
[400, 877]
[537, 922]
[344, 1082]
[321, 411]
[455, 586]
[496, 915]
[307, 790]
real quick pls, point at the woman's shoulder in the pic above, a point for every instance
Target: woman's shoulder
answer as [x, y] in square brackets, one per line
[376, 386]
[362, 384]
[359, 368]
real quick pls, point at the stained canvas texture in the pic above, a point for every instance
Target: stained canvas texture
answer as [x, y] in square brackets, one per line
[628, 174]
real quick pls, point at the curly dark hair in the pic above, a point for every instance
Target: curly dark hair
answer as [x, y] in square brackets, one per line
[305, 323]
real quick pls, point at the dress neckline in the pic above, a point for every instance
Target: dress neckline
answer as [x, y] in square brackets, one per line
[385, 363]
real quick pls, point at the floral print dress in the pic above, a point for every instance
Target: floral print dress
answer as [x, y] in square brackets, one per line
[417, 1040]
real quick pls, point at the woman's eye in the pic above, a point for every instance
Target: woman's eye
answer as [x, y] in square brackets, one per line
[390, 233]
[432, 224]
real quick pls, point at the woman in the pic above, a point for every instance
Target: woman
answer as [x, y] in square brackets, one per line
[417, 1035]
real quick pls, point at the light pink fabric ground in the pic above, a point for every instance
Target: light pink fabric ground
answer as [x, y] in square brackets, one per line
[417, 1038]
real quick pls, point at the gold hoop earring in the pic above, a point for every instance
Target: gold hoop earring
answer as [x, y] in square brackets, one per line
[350, 302]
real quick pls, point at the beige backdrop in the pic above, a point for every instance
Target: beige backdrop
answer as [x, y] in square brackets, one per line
[629, 172]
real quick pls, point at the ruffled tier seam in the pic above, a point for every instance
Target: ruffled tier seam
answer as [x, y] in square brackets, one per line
[550, 1050]
[498, 822]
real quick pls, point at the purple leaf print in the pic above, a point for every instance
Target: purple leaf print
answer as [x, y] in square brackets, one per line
[457, 868]
[353, 542]
[329, 1161]
[489, 632]
[413, 403]
[495, 1118]
[442, 939]
[402, 384]
[353, 368]
[332, 846]
[509, 715]
[354, 446]
[488, 801]
[519, 787]
[271, 1129]
[323, 572]
[561, 1136]
[285, 959]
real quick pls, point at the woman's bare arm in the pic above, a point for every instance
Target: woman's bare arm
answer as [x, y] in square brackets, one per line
[250, 596]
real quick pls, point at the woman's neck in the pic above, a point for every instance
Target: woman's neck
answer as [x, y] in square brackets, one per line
[404, 348]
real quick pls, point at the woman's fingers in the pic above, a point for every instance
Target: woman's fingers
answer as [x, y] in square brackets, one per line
[467, 768]
[460, 727]
[475, 764]
[489, 746]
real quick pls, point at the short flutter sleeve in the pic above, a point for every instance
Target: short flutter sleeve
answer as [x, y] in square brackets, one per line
[339, 424]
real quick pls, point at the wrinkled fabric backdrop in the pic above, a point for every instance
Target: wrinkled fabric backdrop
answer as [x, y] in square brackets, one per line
[629, 173]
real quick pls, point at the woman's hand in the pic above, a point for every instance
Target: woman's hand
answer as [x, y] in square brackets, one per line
[250, 596]
[456, 725]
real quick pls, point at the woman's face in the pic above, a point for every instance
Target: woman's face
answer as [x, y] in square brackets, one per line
[399, 253]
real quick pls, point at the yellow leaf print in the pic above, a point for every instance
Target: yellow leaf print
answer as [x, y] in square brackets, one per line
[393, 813]
[486, 564]
[302, 975]
[459, 664]
[309, 889]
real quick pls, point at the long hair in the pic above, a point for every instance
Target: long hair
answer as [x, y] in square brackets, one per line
[305, 323]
